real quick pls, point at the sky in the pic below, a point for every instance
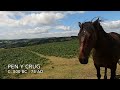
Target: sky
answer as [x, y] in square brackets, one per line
[42, 24]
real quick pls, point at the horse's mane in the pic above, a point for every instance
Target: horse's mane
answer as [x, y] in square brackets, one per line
[107, 35]
[99, 26]
[101, 29]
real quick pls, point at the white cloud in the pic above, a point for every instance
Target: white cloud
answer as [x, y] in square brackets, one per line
[8, 18]
[60, 34]
[6, 14]
[74, 12]
[36, 30]
[111, 24]
[42, 18]
[37, 34]
[62, 27]
[33, 24]
[18, 19]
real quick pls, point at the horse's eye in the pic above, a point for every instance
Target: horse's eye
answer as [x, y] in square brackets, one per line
[84, 32]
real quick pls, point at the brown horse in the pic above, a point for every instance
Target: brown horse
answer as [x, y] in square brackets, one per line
[105, 47]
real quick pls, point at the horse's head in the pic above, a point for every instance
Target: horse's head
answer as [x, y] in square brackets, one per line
[87, 38]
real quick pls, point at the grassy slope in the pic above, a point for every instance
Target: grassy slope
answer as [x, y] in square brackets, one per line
[18, 56]
[63, 68]
[67, 49]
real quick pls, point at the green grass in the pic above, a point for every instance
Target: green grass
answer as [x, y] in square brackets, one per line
[31, 55]
[17, 56]
[61, 56]
[66, 49]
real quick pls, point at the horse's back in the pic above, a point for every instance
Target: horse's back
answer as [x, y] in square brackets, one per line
[115, 35]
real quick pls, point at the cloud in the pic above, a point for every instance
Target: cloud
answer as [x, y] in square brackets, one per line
[36, 30]
[111, 24]
[74, 12]
[43, 18]
[37, 34]
[30, 24]
[8, 18]
[30, 31]
[60, 34]
[19, 19]
[62, 27]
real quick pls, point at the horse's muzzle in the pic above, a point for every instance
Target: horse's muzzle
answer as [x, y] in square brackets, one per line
[83, 60]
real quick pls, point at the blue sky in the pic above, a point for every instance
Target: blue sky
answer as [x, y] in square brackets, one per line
[40, 24]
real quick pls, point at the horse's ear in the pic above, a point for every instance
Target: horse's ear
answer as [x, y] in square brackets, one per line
[96, 21]
[79, 23]
[99, 20]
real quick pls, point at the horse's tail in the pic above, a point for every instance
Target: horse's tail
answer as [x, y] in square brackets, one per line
[119, 61]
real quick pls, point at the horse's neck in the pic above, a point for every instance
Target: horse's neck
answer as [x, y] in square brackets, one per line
[102, 38]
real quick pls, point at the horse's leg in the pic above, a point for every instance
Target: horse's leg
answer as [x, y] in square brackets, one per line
[98, 71]
[105, 76]
[113, 72]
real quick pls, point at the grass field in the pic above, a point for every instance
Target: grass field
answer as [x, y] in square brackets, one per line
[18, 56]
[66, 49]
[63, 68]
[59, 60]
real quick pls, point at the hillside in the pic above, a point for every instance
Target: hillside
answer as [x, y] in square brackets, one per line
[30, 42]
[64, 68]
[58, 60]
[25, 55]
[17, 56]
